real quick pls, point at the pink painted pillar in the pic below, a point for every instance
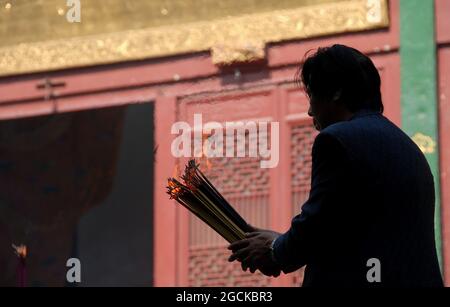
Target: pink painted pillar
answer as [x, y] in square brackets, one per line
[165, 211]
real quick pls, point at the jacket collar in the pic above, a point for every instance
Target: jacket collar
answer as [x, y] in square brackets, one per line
[364, 112]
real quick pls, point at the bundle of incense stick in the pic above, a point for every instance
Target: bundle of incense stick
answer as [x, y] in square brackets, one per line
[200, 197]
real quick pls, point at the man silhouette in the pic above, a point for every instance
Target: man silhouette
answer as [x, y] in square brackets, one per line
[372, 192]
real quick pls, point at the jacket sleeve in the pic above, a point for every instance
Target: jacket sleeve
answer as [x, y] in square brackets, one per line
[310, 229]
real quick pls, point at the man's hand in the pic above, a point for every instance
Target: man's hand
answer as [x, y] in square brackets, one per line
[254, 252]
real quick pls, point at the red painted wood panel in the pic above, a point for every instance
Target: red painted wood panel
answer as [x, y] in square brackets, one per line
[442, 21]
[165, 211]
[240, 180]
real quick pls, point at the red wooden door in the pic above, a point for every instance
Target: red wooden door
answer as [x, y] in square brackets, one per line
[241, 180]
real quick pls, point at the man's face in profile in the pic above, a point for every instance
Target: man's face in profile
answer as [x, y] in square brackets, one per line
[324, 112]
[312, 111]
[318, 110]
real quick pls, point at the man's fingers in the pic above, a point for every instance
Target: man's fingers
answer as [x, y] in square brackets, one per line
[238, 245]
[232, 258]
[275, 273]
[244, 267]
[248, 264]
[270, 272]
[240, 254]
[252, 234]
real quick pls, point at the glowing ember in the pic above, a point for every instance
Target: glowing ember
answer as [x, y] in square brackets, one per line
[21, 251]
[173, 188]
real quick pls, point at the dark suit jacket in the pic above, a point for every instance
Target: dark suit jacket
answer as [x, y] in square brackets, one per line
[372, 196]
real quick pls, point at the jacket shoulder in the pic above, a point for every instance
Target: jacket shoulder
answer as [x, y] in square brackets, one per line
[360, 129]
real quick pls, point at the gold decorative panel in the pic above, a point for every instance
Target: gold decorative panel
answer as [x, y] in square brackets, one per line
[37, 37]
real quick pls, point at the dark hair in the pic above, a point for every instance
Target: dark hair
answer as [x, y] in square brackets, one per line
[341, 68]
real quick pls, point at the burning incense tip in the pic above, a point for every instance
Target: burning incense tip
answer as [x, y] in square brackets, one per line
[174, 188]
[20, 251]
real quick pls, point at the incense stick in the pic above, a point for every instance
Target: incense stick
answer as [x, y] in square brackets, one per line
[199, 196]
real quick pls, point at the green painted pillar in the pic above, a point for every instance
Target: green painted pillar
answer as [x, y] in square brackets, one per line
[419, 87]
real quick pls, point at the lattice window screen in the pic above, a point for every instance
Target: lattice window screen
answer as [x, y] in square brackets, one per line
[246, 186]
[302, 138]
